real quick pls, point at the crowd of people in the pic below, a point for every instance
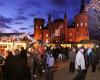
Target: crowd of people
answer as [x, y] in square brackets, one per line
[81, 58]
[33, 63]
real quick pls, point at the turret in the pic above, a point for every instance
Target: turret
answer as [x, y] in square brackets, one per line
[49, 19]
[82, 6]
[65, 26]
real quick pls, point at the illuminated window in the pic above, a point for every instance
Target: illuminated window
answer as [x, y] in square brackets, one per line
[70, 34]
[81, 23]
[61, 26]
[85, 24]
[57, 32]
[77, 25]
[40, 35]
[47, 35]
[40, 27]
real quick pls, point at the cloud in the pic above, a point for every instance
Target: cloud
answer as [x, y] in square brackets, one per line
[2, 4]
[15, 31]
[23, 28]
[31, 26]
[56, 13]
[32, 14]
[2, 30]
[21, 18]
[4, 25]
[18, 22]
[59, 3]
[30, 4]
[33, 3]
[20, 11]
[7, 20]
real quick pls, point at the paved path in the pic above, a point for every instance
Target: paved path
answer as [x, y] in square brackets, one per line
[62, 73]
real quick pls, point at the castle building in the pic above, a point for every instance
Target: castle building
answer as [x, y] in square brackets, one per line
[58, 31]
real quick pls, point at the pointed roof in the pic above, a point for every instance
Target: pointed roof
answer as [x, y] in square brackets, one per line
[82, 6]
[65, 16]
[49, 18]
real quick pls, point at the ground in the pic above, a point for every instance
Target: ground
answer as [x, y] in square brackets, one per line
[62, 73]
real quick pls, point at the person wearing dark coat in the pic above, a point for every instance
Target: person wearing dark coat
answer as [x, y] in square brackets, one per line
[55, 53]
[1, 63]
[10, 55]
[93, 60]
[72, 56]
[16, 68]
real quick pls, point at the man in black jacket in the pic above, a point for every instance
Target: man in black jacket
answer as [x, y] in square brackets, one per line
[16, 68]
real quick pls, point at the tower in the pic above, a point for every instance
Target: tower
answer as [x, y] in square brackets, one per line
[49, 26]
[38, 28]
[81, 25]
[65, 26]
[49, 18]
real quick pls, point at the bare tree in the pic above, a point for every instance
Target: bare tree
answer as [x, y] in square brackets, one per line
[93, 11]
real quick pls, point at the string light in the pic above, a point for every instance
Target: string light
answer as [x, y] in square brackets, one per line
[93, 11]
[20, 38]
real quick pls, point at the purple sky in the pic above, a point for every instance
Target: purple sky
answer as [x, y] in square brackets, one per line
[18, 15]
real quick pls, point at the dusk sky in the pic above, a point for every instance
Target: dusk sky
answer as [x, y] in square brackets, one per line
[18, 15]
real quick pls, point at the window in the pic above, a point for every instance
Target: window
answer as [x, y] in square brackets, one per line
[57, 32]
[77, 24]
[47, 35]
[40, 27]
[40, 35]
[81, 23]
[85, 24]
[61, 26]
[70, 34]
